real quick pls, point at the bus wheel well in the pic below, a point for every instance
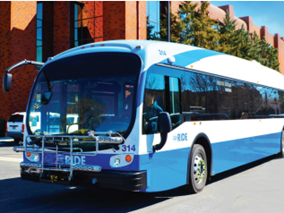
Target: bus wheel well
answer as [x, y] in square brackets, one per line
[203, 141]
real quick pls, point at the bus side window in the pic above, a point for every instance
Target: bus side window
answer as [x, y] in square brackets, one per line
[175, 103]
[154, 102]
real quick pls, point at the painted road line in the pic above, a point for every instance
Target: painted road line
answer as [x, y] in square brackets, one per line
[6, 139]
[10, 159]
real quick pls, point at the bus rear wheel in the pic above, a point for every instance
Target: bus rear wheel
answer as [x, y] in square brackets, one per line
[198, 170]
[282, 144]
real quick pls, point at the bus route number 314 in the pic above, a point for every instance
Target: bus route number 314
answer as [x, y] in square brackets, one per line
[128, 148]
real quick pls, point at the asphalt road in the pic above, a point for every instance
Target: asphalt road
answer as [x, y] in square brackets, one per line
[258, 187]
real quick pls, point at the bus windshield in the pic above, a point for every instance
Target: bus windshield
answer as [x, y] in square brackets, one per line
[87, 92]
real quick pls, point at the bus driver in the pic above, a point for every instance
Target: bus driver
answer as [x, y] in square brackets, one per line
[151, 110]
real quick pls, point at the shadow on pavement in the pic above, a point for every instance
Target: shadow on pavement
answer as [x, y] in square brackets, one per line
[25, 196]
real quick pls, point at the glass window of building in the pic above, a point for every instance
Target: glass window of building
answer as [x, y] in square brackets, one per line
[153, 15]
[39, 17]
[44, 33]
[85, 19]
[77, 22]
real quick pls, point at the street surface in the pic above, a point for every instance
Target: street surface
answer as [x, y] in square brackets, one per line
[254, 188]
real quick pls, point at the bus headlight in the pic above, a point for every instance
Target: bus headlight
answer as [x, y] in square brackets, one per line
[34, 157]
[121, 160]
[116, 161]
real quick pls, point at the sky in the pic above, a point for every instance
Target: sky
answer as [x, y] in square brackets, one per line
[263, 13]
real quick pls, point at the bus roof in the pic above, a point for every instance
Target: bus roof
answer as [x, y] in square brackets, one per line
[155, 52]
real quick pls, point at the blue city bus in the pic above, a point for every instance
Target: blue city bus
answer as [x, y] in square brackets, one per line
[148, 116]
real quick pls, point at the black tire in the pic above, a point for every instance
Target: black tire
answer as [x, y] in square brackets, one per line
[197, 170]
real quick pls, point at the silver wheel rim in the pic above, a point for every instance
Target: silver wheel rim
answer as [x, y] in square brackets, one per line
[199, 169]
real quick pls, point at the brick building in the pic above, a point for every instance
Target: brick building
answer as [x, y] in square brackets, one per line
[36, 30]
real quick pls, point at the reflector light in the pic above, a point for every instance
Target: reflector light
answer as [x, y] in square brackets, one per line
[138, 47]
[23, 127]
[82, 47]
[102, 45]
[29, 154]
[92, 45]
[128, 158]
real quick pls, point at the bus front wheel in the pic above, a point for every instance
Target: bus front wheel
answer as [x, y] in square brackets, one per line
[198, 170]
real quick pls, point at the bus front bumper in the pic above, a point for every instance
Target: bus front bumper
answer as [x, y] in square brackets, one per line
[122, 180]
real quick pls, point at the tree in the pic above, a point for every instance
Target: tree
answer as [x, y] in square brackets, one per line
[194, 27]
[227, 30]
[241, 44]
[264, 53]
[177, 27]
[204, 30]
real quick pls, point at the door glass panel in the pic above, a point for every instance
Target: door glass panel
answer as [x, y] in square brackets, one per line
[154, 102]
[175, 106]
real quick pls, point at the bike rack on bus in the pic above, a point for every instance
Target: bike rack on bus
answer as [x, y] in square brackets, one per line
[36, 167]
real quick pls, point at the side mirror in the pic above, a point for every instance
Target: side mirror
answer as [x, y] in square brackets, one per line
[7, 80]
[164, 123]
[164, 127]
[45, 98]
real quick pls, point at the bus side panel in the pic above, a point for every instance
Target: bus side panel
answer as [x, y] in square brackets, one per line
[165, 169]
[231, 154]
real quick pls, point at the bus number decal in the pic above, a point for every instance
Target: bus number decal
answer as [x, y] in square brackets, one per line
[128, 148]
[162, 52]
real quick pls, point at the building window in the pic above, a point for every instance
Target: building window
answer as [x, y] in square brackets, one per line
[87, 22]
[78, 21]
[84, 23]
[44, 31]
[39, 19]
[153, 15]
